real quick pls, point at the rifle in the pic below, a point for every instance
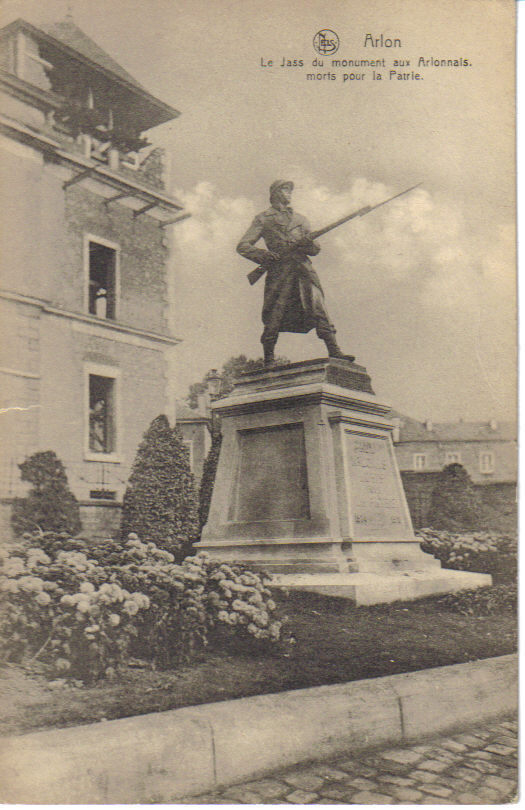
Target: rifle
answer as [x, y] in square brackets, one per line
[255, 275]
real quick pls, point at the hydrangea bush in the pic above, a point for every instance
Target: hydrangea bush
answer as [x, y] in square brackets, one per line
[484, 552]
[197, 601]
[81, 610]
[51, 612]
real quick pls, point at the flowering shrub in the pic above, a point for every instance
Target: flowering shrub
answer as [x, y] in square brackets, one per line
[53, 611]
[197, 601]
[80, 609]
[482, 601]
[484, 552]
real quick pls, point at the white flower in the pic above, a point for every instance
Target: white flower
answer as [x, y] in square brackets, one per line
[261, 618]
[31, 584]
[131, 608]
[114, 620]
[43, 598]
[35, 556]
[87, 587]
[14, 566]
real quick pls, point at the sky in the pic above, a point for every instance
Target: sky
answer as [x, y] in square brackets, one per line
[422, 290]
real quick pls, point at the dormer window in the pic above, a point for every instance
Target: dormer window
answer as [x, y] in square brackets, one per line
[101, 259]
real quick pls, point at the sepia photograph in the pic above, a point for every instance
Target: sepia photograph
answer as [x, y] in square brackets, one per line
[258, 449]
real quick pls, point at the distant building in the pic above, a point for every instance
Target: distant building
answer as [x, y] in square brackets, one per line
[195, 426]
[86, 339]
[487, 450]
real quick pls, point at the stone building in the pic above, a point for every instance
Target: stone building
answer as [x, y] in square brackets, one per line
[487, 450]
[86, 333]
[195, 427]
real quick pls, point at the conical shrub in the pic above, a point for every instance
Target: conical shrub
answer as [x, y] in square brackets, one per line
[160, 502]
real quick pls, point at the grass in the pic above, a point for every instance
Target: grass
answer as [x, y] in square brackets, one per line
[333, 641]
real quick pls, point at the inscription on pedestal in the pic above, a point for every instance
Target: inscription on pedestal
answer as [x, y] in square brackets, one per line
[376, 505]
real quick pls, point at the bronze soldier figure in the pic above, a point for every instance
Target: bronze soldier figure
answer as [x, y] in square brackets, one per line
[293, 296]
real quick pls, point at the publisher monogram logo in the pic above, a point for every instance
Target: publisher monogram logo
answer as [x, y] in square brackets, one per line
[326, 42]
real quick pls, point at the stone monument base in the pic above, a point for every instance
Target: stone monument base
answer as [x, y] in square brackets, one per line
[308, 489]
[373, 589]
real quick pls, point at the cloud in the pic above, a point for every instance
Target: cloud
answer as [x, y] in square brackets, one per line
[401, 283]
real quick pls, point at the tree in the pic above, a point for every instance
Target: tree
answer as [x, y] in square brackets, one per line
[160, 502]
[230, 370]
[50, 505]
[455, 503]
[209, 472]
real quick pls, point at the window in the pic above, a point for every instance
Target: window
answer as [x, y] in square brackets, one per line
[453, 458]
[420, 461]
[102, 438]
[486, 462]
[102, 279]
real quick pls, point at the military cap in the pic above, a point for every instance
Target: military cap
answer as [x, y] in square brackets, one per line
[277, 184]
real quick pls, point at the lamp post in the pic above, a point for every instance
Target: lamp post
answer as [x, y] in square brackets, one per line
[214, 382]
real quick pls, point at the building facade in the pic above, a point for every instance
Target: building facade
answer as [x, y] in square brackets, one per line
[87, 343]
[487, 450]
[195, 427]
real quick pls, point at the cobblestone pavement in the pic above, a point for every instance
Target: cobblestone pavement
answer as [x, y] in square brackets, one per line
[475, 767]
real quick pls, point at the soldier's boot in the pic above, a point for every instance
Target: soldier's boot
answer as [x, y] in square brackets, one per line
[335, 351]
[269, 356]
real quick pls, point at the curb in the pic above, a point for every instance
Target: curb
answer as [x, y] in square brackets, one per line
[171, 755]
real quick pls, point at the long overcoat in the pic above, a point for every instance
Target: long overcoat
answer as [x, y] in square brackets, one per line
[288, 286]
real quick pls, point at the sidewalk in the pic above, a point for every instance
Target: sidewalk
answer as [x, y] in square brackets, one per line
[478, 767]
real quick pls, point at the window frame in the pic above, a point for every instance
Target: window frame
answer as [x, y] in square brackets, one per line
[415, 466]
[452, 453]
[99, 240]
[110, 372]
[492, 457]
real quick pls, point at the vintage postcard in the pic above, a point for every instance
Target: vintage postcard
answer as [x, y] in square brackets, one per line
[259, 401]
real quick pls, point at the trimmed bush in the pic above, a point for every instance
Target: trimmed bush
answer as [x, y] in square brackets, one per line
[50, 505]
[209, 471]
[455, 503]
[482, 552]
[160, 502]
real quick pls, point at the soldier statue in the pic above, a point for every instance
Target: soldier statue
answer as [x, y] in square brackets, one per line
[293, 296]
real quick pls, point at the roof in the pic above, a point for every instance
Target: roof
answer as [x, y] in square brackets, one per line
[67, 38]
[410, 430]
[69, 34]
[183, 413]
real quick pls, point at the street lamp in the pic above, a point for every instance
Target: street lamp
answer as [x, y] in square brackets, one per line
[213, 381]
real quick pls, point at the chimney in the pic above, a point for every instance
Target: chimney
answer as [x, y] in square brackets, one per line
[203, 404]
[429, 425]
[493, 424]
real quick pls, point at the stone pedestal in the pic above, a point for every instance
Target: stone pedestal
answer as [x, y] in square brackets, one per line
[308, 488]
